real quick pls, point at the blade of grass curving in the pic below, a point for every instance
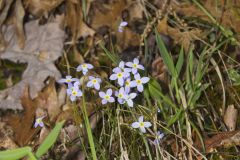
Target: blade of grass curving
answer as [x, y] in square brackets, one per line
[180, 61]
[113, 57]
[16, 154]
[167, 59]
[50, 140]
[155, 92]
[175, 117]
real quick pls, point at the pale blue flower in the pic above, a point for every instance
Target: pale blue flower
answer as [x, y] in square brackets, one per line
[121, 66]
[128, 97]
[120, 76]
[122, 25]
[67, 80]
[94, 82]
[127, 85]
[139, 81]
[158, 138]
[84, 68]
[74, 91]
[141, 125]
[135, 65]
[158, 110]
[39, 122]
[107, 97]
[120, 95]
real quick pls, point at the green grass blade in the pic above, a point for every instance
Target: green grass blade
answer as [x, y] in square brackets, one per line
[50, 140]
[180, 62]
[113, 57]
[175, 117]
[167, 59]
[15, 154]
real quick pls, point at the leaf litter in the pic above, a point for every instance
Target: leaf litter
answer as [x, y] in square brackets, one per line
[79, 29]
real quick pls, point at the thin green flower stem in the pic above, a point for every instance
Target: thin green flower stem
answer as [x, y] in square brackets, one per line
[88, 127]
[31, 156]
[77, 118]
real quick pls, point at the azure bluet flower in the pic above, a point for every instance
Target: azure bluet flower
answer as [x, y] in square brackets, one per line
[141, 124]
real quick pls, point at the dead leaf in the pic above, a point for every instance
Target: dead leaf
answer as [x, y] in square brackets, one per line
[184, 38]
[39, 8]
[48, 38]
[229, 18]
[74, 20]
[19, 14]
[230, 117]
[48, 99]
[6, 135]
[159, 70]
[224, 139]
[24, 122]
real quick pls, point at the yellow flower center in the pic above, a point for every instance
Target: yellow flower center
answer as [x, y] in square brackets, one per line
[39, 120]
[84, 66]
[120, 95]
[135, 65]
[138, 81]
[127, 83]
[74, 93]
[94, 81]
[107, 97]
[141, 124]
[68, 80]
[119, 75]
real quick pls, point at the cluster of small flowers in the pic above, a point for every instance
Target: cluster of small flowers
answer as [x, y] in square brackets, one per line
[123, 74]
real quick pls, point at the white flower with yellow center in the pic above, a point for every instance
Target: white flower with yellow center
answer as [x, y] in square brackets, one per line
[67, 80]
[84, 68]
[107, 97]
[120, 75]
[141, 124]
[135, 65]
[94, 82]
[139, 81]
[74, 91]
[39, 122]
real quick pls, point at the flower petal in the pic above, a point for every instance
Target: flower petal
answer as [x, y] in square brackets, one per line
[113, 77]
[136, 60]
[140, 67]
[79, 93]
[140, 119]
[142, 129]
[145, 79]
[133, 84]
[89, 84]
[79, 68]
[132, 95]
[41, 124]
[89, 66]
[36, 124]
[109, 92]
[123, 24]
[111, 99]
[137, 76]
[104, 101]
[91, 77]
[101, 94]
[121, 64]
[129, 64]
[140, 87]
[97, 86]
[61, 81]
[72, 98]
[147, 124]
[120, 81]
[135, 124]
[134, 70]
[130, 103]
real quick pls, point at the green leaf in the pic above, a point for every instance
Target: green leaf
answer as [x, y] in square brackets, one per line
[180, 62]
[167, 59]
[113, 57]
[50, 140]
[155, 92]
[174, 118]
[15, 154]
